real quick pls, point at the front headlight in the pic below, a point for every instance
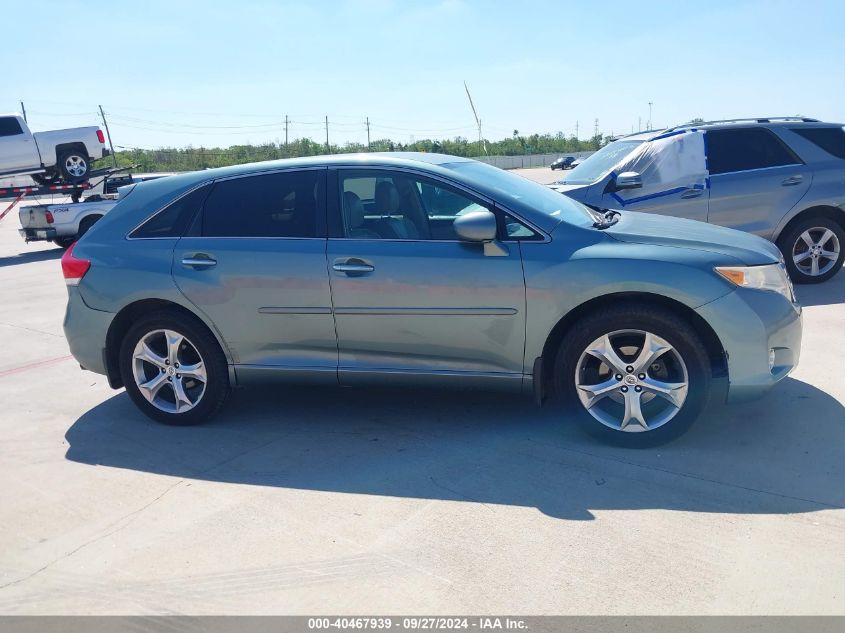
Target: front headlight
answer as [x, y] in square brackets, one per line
[768, 277]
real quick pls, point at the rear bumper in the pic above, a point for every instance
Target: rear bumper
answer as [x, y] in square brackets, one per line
[750, 323]
[86, 330]
[35, 235]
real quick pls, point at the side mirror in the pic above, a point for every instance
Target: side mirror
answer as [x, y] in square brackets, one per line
[476, 226]
[628, 180]
[480, 226]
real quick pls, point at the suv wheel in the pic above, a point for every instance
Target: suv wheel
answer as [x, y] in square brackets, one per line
[813, 250]
[173, 369]
[635, 376]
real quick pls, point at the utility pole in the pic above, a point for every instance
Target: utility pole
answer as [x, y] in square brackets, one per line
[327, 133]
[576, 130]
[287, 153]
[596, 129]
[108, 134]
[368, 134]
[23, 111]
[650, 121]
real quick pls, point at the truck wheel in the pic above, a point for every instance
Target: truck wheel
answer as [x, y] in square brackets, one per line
[813, 250]
[173, 369]
[86, 224]
[74, 166]
[64, 242]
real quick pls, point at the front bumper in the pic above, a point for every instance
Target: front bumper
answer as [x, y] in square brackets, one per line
[750, 323]
[35, 235]
[86, 329]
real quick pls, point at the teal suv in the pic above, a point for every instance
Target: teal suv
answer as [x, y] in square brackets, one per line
[423, 270]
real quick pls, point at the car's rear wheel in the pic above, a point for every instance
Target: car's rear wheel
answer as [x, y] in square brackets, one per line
[74, 166]
[173, 369]
[634, 376]
[814, 250]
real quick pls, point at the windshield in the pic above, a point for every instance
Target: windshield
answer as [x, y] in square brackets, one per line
[520, 194]
[598, 164]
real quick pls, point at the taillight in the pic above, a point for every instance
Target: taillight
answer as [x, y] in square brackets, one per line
[100, 136]
[74, 268]
[49, 217]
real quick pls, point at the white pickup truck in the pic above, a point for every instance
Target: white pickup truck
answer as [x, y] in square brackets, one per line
[48, 157]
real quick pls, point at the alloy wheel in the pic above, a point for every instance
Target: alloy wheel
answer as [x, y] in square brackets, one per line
[76, 165]
[631, 380]
[169, 371]
[816, 251]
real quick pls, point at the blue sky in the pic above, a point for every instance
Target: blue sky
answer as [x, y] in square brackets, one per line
[218, 73]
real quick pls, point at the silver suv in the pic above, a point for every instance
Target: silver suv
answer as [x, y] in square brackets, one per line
[780, 178]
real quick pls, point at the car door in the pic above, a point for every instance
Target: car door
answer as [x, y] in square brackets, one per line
[254, 262]
[18, 151]
[755, 179]
[410, 299]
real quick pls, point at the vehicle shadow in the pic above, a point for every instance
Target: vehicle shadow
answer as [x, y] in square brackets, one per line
[766, 457]
[31, 256]
[826, 293]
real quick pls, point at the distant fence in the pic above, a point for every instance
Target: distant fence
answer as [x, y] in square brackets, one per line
[529, 160]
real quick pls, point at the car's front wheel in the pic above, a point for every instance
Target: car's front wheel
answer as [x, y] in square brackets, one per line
[173, 369]
[635, 376]
[814, 250]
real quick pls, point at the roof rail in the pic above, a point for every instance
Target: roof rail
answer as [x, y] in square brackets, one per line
[767, 119]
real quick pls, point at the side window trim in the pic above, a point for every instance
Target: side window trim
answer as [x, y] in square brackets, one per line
[335, 221]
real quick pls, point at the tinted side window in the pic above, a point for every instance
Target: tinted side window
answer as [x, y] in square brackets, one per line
[9, 126]
[830, 139]
[744, 149]
[283, 204]
[173, 221]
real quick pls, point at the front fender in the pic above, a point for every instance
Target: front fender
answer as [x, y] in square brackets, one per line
[559, 279]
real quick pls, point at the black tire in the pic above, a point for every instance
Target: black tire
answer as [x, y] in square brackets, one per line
[77, 157]
[217, 374]
[64, 242]
[660, 322]
[791, 243]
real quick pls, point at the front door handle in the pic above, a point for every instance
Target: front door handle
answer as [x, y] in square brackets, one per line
[352, 266]
[692, 193]
[199, 261]
[792, 180]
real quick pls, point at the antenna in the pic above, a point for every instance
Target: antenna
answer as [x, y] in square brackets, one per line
[477, 122]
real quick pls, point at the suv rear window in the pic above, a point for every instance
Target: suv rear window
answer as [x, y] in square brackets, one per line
[283, 204]
[9, 126]
[830, 139]
[744, 149]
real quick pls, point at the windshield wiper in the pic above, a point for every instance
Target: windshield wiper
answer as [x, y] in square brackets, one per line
[609, 217]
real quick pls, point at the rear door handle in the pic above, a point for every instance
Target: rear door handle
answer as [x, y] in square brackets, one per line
[692, 193]
[352, 266]
[792, 180]
[199, 261]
